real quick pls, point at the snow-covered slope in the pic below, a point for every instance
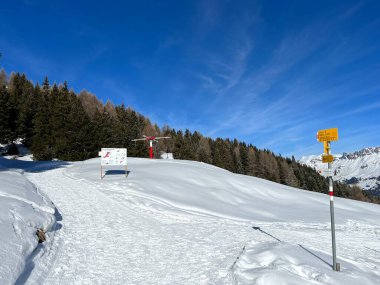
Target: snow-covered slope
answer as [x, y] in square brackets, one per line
[360, 168]
[203, 188]
[182, 222]
[23, 210]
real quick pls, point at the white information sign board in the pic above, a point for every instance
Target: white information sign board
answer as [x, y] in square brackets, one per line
[113, 156]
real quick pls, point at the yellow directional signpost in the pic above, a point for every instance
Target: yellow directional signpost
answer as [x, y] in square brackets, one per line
[327, 158]
[326, 136]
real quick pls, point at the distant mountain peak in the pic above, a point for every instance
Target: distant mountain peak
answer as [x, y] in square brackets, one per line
[361, 168]
[361, 153]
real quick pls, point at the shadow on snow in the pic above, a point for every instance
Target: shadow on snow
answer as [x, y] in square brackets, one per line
[30, 166]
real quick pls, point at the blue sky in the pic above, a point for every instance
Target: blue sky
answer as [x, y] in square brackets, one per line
[270, 73]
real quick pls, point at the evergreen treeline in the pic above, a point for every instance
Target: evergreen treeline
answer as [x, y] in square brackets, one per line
[54, 122]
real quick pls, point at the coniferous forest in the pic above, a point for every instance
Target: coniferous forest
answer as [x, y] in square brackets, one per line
[54, 122]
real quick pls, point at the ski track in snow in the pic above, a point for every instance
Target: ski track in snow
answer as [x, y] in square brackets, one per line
[108, 242]
[114, 233]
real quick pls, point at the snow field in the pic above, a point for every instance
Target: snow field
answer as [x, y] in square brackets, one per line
[182, 222]
[23, 210]
[114, 243]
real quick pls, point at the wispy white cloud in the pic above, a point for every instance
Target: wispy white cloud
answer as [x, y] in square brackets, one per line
[208, 82]
[272, 102]
[365, 108]
[226, 73]
[249, 105]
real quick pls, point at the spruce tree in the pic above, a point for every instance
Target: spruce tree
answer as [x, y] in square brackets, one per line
[42, 146]
[6, 133]
[3, 78]
[27, 111]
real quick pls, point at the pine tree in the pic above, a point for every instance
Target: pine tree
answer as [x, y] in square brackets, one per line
[41, 146]
[178, 145]
[204, 150]
[6, 133]
[188, 149]
[3, 78]
[78, 131]
[104, 126]
[14, 99]
[27, 111]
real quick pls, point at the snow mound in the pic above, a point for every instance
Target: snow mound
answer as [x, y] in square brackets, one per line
[283, 263]
[205, 189]
[23, 210]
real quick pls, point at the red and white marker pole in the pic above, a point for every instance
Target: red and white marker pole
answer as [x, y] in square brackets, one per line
[150, 148]
[150, 139]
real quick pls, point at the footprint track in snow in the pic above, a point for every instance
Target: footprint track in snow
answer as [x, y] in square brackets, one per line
[118, 243]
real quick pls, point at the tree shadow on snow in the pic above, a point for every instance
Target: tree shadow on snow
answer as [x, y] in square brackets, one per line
[30, 166]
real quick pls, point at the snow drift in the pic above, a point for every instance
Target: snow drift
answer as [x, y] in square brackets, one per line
[23, 210]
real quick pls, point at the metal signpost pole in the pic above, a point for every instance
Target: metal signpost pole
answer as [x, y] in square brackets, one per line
[326, 136]
[331, 192]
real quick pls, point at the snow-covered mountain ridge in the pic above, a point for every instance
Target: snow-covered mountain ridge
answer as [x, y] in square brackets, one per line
[364, 152]
[360, 168]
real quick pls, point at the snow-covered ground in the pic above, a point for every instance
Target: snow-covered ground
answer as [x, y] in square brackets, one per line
[182, 222]
[360, 168]
[24, 152]
[23, 210]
